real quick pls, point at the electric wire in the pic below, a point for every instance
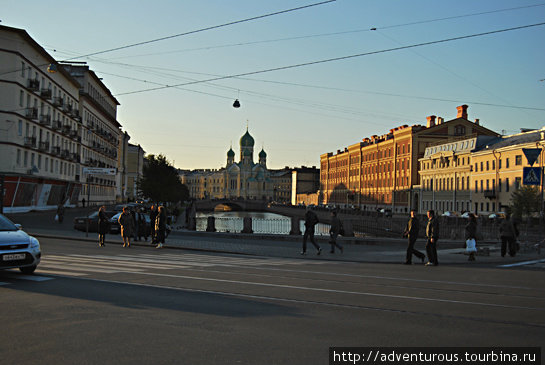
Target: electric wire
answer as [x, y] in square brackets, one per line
[205, 29]
[281, 68]
[328, 34]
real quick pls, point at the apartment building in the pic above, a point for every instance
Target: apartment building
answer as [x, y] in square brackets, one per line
[380, 171]
[135, 169]
[40, 127]
[100, 135]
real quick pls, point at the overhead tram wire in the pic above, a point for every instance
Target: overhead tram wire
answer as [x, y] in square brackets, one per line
[330, 34]
[205, 29]
[183, 34]
[337, 58]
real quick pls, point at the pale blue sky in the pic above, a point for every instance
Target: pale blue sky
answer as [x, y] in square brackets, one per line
[300, 113]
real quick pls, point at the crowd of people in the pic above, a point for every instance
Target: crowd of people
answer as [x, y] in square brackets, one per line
[508, 234]
[130, 221]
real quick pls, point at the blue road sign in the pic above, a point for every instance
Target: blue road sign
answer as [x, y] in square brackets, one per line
[531, 175]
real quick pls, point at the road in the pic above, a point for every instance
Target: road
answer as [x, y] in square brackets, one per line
[91, 305]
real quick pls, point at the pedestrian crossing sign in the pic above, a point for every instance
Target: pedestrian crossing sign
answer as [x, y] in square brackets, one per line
[531, 176]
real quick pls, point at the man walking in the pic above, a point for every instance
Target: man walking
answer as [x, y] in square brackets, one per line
[311, 219]
[411, 232]
[432, 233]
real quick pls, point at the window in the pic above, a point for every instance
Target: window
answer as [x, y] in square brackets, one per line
[487, 166]
[499, 185]
[518, 182]
[20, 128]
[482, 166]
[476, 167]
[499, 164]
[506, 163]
[518, 160]
[493, 164]
[18, 157]
[25, 159]
[507, 184]
[482, 185]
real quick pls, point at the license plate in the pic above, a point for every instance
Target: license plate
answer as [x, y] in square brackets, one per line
[20, 256]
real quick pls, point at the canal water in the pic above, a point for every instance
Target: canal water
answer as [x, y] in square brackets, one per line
[262, 222]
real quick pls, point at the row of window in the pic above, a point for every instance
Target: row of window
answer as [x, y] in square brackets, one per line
[458, 206]
[30, 160]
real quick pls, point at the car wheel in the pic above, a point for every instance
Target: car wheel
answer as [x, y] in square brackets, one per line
[28, 269]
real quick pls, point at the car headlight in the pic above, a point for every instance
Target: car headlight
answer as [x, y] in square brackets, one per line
[34, 243]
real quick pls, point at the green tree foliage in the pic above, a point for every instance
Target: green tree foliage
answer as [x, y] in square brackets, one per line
[525, 201]
[160, 181]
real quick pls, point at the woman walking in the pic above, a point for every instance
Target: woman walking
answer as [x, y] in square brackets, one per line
[103, 226]
[160, 226]
[471, 237]
[127, 226]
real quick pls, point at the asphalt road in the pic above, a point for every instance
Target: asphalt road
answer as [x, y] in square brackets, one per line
[91, 305]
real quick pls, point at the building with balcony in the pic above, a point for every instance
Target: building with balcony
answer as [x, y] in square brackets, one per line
[380, 171]
[39, 158]
[99, 134]
[135, 169]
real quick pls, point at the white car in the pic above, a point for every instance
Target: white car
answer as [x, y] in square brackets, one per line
[18, 250]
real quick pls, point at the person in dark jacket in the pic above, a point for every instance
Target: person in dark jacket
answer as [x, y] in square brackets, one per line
[152, 217]
[432, 234]
[126, 222]
[334, 232]
[103, 225]
[160, 226]
[60, 213]
[471, 233]
[411, 232]
[508, 235]
[311, 219]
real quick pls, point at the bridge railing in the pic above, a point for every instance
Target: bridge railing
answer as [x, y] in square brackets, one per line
[259, 225]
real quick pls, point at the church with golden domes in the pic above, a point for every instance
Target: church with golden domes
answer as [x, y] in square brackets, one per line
[243, 179]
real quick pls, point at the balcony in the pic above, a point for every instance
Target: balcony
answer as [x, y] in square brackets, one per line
[33, 84]
[75, 157]
[56, 151]
[32, 113]
[56, 125]
[45, 119]
[30, 142]
[46, 94]
[58, 102]
[490, 194]
[73, 133]
[65, 129]
[65, 154]
[44, 146]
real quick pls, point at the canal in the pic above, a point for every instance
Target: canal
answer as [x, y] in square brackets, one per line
[262, 222]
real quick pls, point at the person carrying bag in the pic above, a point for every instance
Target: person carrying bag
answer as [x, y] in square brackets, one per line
[471, 237]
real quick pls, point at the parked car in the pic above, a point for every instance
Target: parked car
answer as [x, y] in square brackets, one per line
[17, 249]
[449, 214]
[386, 212]
[80, 222]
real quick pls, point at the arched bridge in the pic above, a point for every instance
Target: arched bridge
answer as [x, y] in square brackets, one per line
[232, 204]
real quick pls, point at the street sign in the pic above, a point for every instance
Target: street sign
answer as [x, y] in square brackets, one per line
[99, 171]
[531, 154]
[531, 175]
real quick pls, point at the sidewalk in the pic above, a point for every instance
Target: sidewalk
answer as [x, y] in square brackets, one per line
[365, 250]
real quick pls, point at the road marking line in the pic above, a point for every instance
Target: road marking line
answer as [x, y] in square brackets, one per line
[523, 263]
[339, 291]
[79, 268]
[59, 272]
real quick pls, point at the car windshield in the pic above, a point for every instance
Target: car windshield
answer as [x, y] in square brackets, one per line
[115, 217]
[6, 224]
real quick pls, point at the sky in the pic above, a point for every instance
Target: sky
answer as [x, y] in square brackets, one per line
[296, 113]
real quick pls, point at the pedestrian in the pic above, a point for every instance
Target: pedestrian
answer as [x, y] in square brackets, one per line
[508, 235]
[134, 216]
[60, 213]
[127, 226]
[160, 226]
[432, 234]
[83, 202]
[141, 225]
[103, 226]
[334, 231]
[471, 237]
[152, 217]
[311, 219]
[411, 232]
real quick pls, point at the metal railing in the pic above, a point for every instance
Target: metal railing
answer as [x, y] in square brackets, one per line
[259, 225]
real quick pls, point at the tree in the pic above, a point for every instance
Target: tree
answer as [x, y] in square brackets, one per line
[160, 181]
[525, 201]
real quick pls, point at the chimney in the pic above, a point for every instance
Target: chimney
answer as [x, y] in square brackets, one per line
[462, 111]
[477, 121]
[431, 121]
[440, 120]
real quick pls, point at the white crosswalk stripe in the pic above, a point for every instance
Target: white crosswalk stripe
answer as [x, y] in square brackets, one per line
[15, 276]
[81, 265]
